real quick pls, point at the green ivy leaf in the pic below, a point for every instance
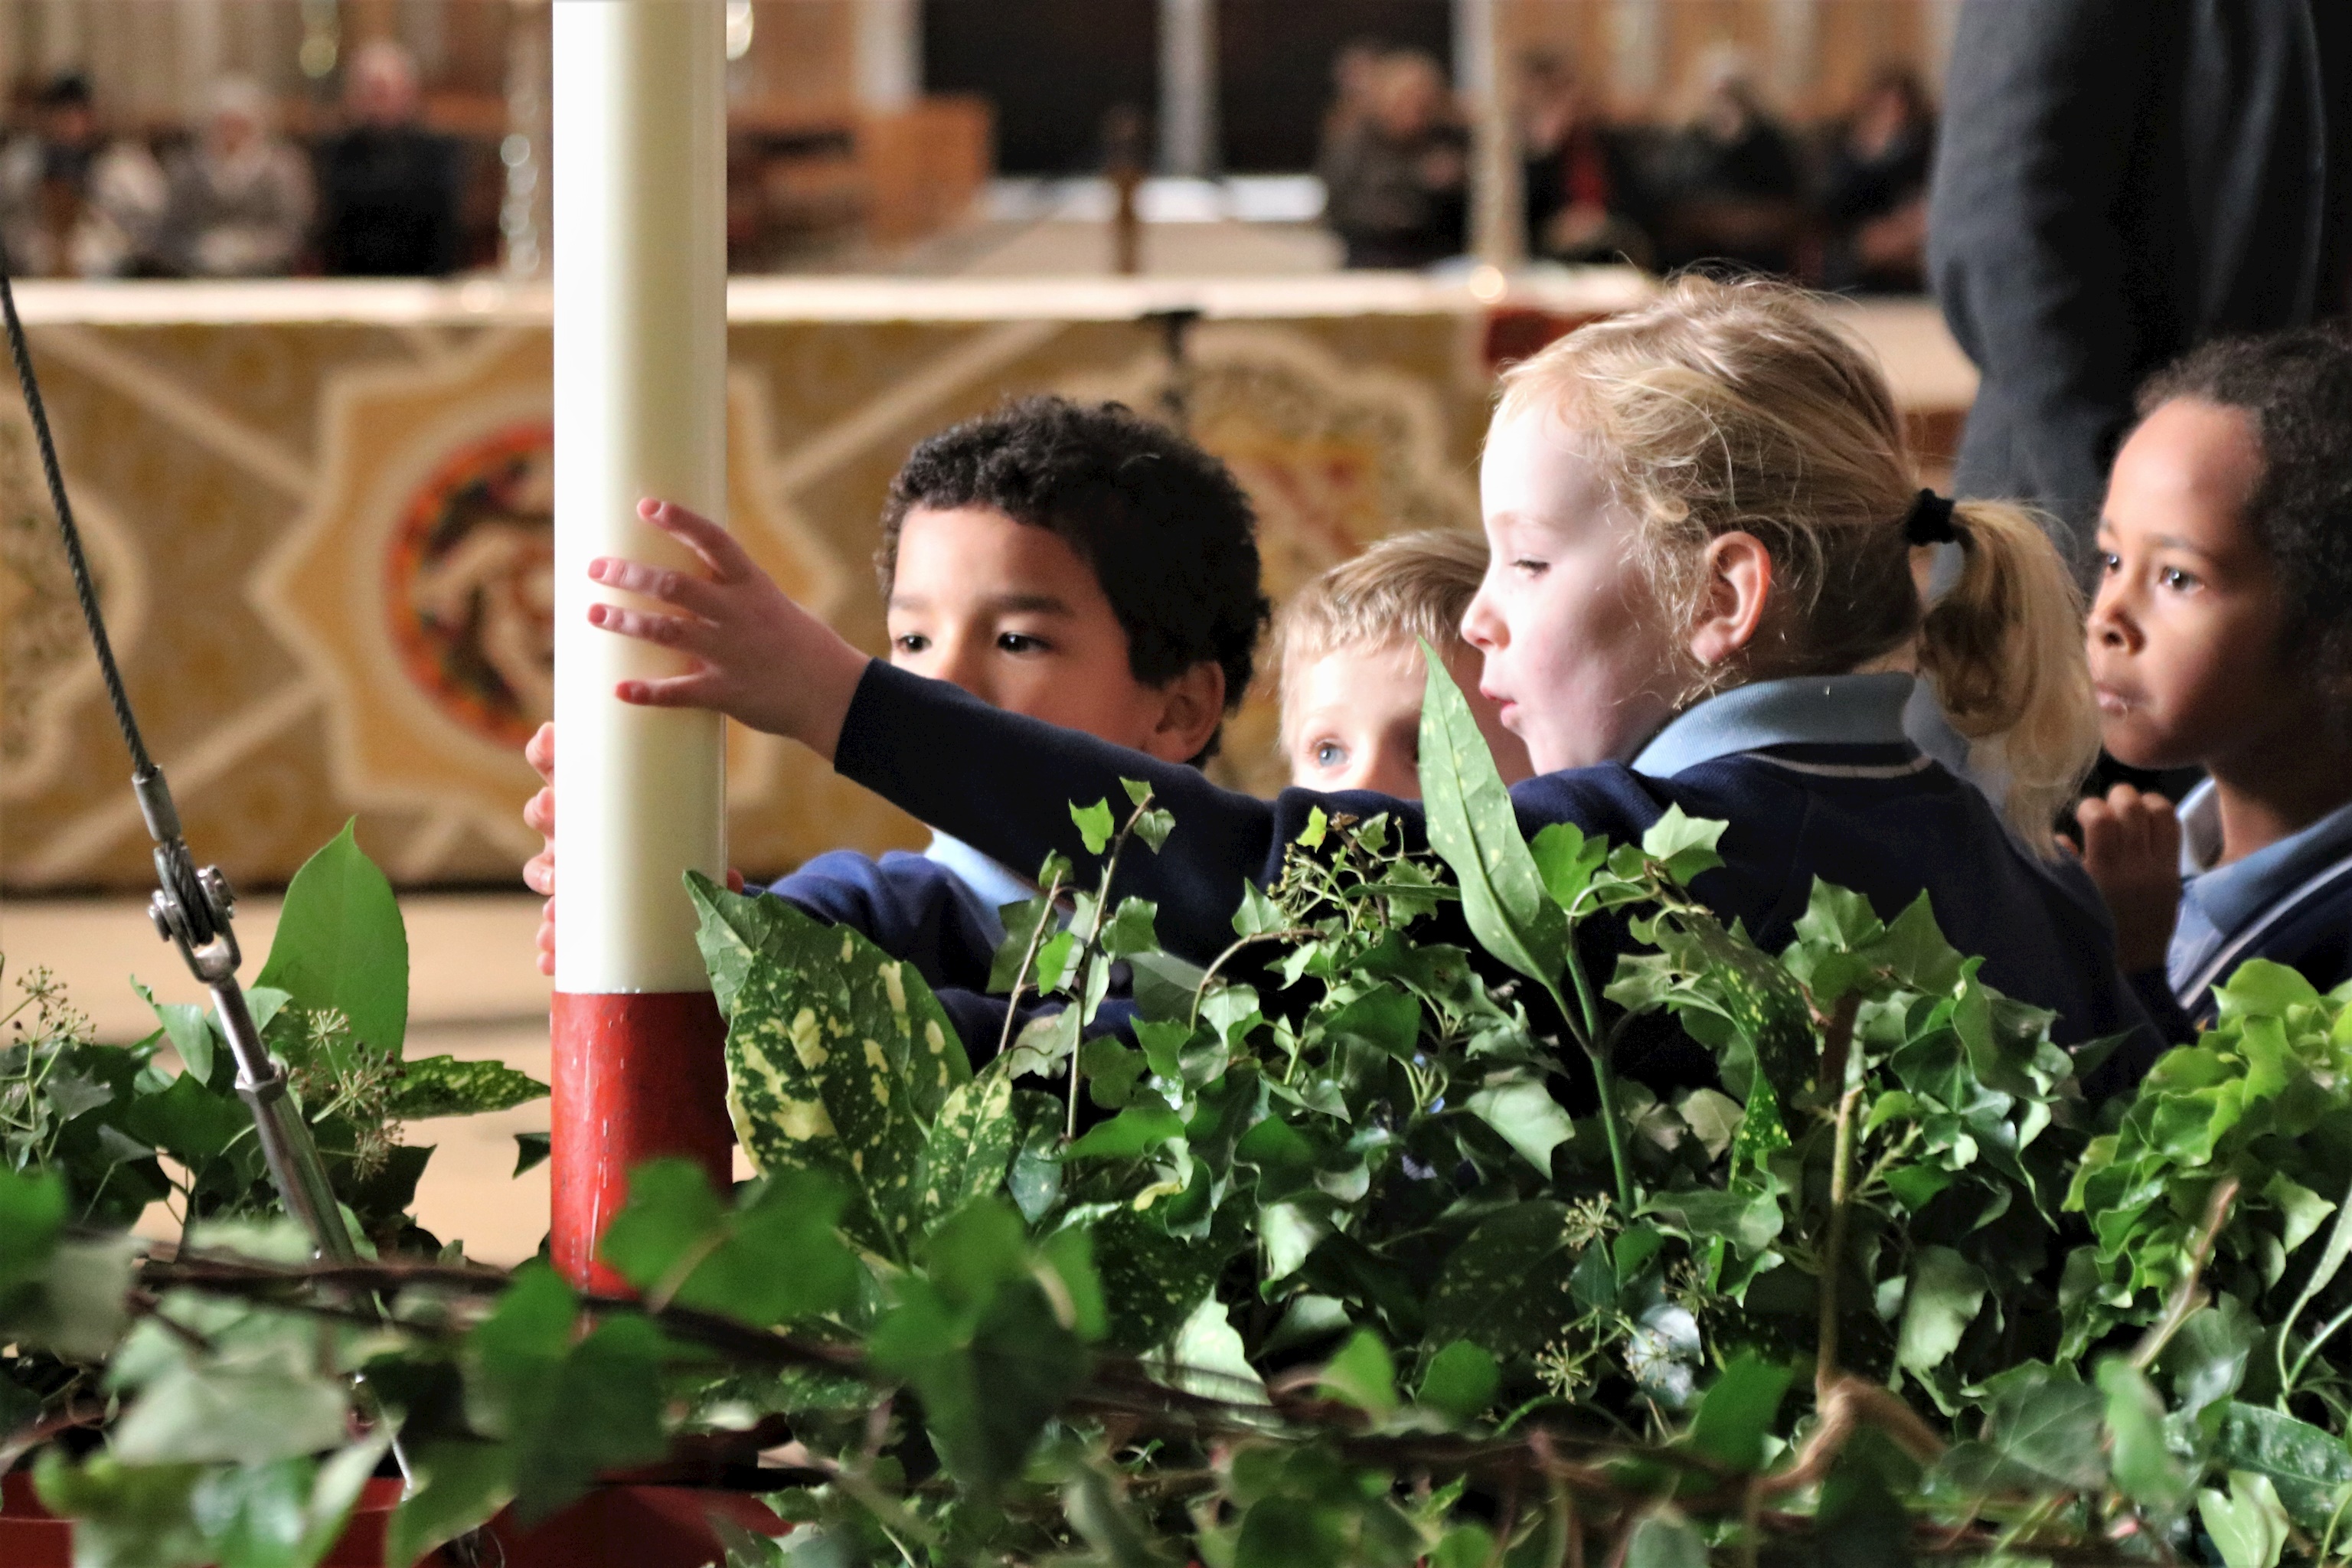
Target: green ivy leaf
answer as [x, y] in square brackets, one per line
[1128, 931]
[1462, 1380]
[2248, 1526]
[2050, 1425]
[2144, 1467]
[1523, 1110]
[1566, 860]
[776, 1259]
[459, 1485]
[532, 1150]
[208, 1411]
[126, 1516]
[1735, 1414]
[1137, 1130]
[599, 1409]
[1364, 1375]
[1664, 1540]
[188, 1027]
[1685, 845]
[282, 1515]
[1095, 826]
[340, 944]
[1945, 1293]
[32, 1216]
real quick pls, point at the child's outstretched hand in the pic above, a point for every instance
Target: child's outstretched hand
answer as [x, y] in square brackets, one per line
[759, 658]
[538, 871]
[2131, 848]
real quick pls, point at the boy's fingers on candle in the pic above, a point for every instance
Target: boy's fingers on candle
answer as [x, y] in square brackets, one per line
[717, 548]
[696, 596]
[700, 690]
[539, 812]
[667, 631]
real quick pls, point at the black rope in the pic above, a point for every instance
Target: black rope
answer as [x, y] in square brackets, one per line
[141, 766]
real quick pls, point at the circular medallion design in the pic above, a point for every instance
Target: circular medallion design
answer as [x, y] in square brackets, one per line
[469, 582]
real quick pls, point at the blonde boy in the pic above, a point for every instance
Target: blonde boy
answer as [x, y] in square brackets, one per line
[1352, 669]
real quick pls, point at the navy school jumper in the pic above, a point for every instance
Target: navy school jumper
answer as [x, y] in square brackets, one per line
[2290, 902]
[936, 911]
[1814, 777]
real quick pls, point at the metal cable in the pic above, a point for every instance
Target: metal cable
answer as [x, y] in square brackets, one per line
[142, 765]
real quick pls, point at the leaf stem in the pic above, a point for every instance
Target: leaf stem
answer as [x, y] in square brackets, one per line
[1602, 1052]
[1086, 952]
[2185, 1297]
[1037, 939]
[1833, 1252]
[2327, 1331]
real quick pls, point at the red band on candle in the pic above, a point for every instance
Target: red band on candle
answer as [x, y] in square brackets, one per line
[635, 1077]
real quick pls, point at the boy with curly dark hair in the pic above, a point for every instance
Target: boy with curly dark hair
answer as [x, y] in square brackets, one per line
[2223, 637]
[1071, 562]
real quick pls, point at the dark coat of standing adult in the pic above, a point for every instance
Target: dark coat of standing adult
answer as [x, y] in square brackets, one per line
[388, 203]
[2118, 181]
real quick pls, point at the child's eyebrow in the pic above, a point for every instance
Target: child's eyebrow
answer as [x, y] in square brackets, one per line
[1028, 604]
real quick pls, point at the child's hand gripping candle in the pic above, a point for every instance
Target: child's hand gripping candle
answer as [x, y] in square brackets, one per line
[2223, 637]
[1704, 525]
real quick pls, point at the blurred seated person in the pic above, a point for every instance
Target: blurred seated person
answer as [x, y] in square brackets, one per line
[74, 202]
[388, 188]
[1397, 189]
[1355, 82]
[241, 199]
[1875, 189]
[1573, 179]
[1732, 188]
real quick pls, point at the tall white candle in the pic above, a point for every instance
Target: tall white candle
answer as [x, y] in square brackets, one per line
[640, 410]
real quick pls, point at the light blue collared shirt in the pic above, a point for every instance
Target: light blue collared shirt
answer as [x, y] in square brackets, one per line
[1804, 710]
[992, 884]
[2222, 906]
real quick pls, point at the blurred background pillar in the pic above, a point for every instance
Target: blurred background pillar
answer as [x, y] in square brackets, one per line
[889, 55]
[1483, 76]
[1188, 87]
[522, 152]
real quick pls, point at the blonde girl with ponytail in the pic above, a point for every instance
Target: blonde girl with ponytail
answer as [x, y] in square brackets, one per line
[1743, 408]
[1706, 587]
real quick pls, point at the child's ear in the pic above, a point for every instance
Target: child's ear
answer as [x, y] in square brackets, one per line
[1190, 708]
[1739, 581]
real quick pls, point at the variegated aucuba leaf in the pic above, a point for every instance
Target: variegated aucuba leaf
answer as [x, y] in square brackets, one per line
[837, 1057]
[970, 1145]
[895, 1008]
[810, 1088]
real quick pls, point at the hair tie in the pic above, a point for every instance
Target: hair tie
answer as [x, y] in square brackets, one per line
[1930, 521]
